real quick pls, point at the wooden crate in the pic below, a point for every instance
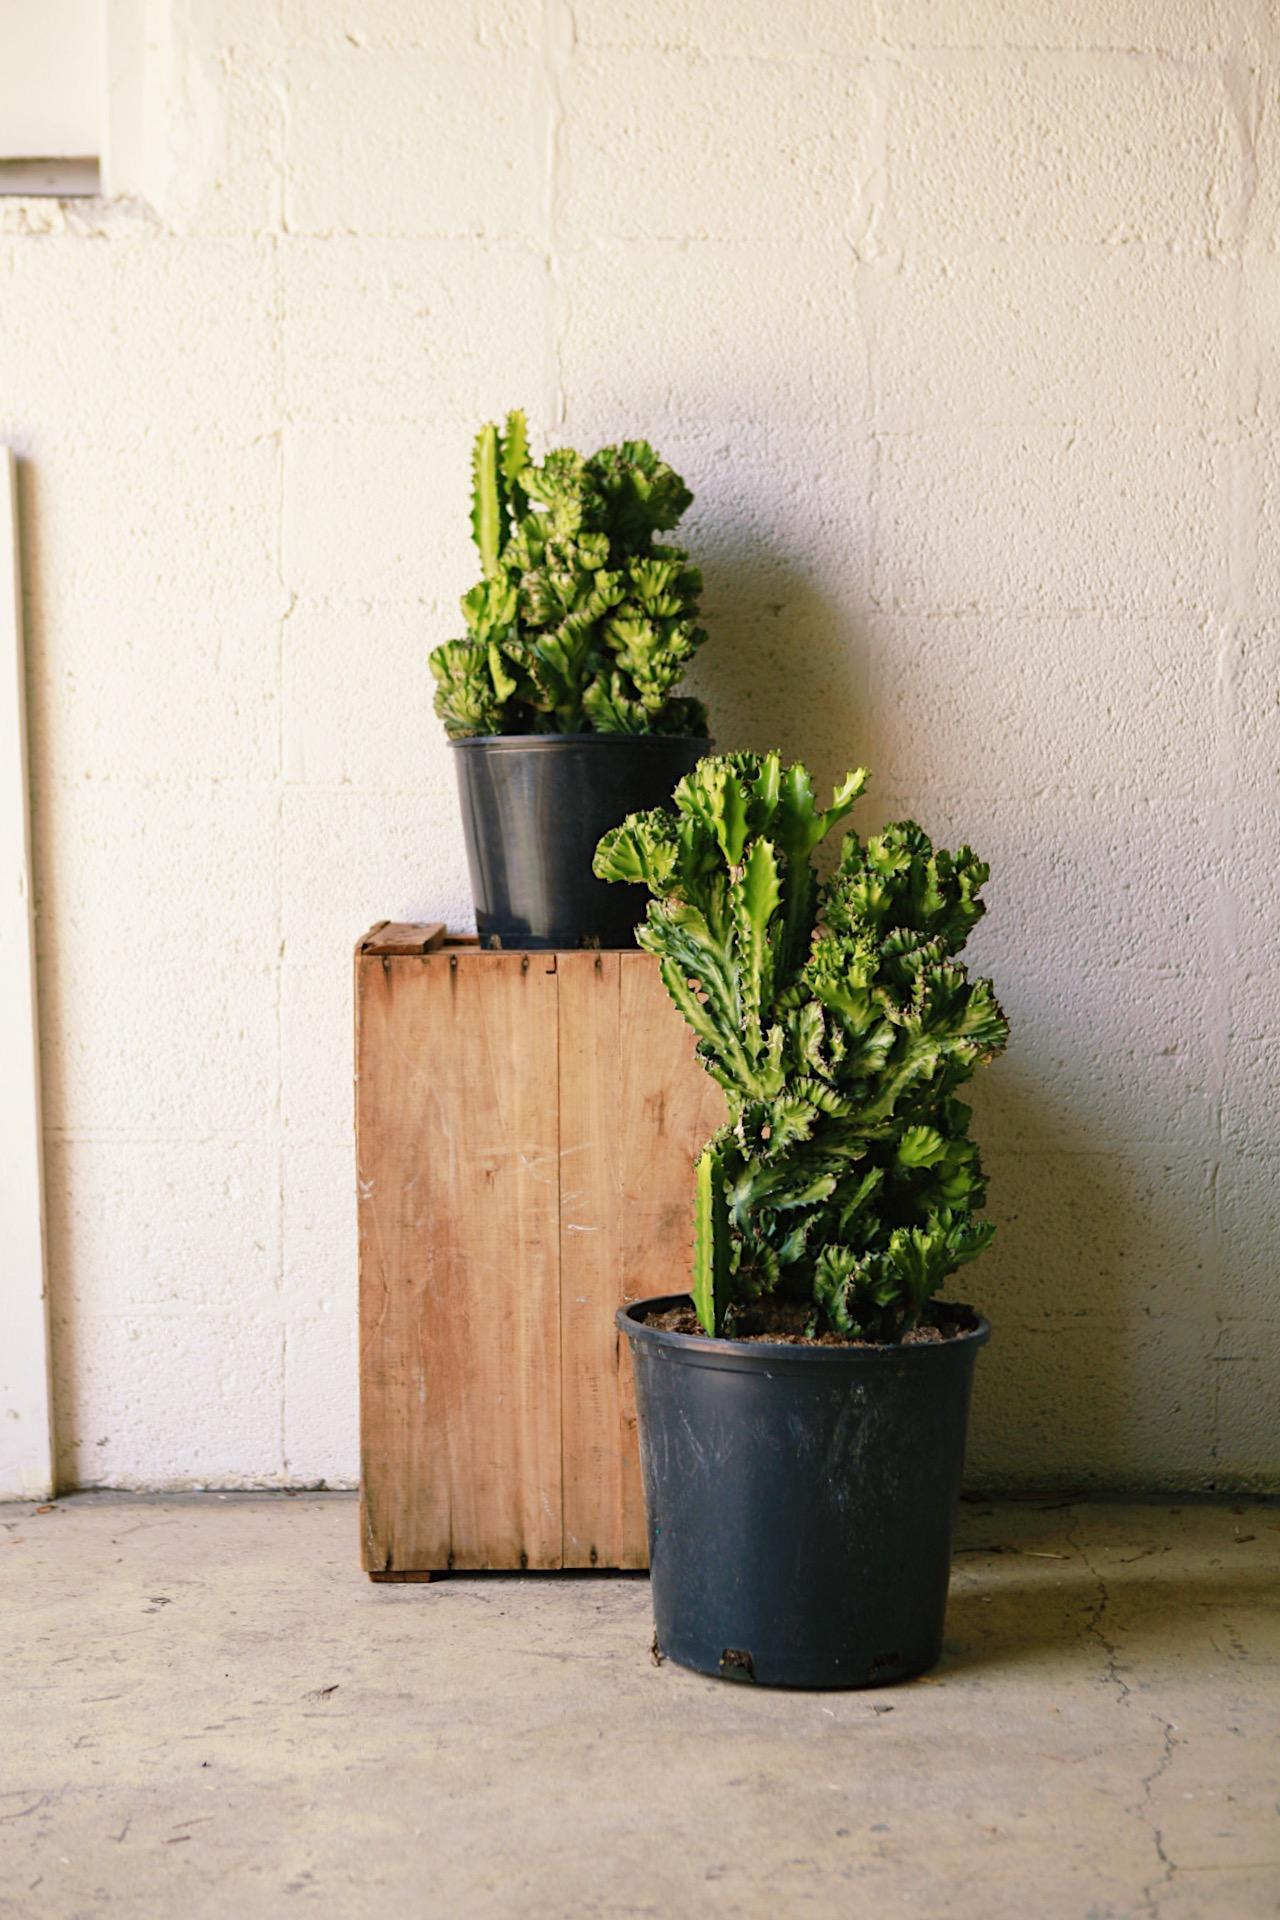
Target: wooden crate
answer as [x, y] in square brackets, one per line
[526, 1125]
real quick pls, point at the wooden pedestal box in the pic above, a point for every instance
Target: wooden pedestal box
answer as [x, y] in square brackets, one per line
[526, 1126]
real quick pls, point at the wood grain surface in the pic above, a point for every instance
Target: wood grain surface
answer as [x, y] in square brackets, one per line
[526, 1129]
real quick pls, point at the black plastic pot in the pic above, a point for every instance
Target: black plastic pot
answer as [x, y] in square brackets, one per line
[801, 1500]
[534, 807]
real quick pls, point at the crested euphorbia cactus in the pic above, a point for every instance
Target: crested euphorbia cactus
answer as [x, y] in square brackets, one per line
[839, 1024]
[582, 622]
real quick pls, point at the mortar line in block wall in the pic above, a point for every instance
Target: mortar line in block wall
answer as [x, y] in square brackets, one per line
[279, 1145]
[1241, 506]
[289, 601]
[874, 215]
[557, 48]
[283, 98]
[283, 1365]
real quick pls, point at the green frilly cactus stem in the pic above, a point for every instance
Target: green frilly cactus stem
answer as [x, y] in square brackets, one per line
[840, 1025]
[582, 621]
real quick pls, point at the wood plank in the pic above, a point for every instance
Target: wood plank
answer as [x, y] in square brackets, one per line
[27, 1470]
[590, 1186]
[459, 1261]
[397, 937]
[635, 1107]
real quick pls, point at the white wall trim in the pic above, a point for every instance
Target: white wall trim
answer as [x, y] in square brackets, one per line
[26, 1435]
[127, 55]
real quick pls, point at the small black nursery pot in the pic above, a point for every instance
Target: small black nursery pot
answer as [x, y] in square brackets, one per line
[534, 807]
[801, 1500]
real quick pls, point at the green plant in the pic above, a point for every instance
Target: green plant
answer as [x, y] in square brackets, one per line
[839, 1024]
[582, 622]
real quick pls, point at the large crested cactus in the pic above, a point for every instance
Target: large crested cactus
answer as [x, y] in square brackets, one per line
[582, 621]
[839, 1023]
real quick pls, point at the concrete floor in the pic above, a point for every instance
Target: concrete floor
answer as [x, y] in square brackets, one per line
[207, 1710]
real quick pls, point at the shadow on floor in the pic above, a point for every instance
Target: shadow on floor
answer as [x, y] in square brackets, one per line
[1202, 1619]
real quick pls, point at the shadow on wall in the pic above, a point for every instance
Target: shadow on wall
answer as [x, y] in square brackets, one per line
[1102, 1283]
[782, 654]
[1089, 1381]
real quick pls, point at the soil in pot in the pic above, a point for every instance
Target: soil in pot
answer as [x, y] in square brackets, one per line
[784, 1325]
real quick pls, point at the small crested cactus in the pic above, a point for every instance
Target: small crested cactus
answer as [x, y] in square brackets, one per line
[581, 622]
[840, 1024]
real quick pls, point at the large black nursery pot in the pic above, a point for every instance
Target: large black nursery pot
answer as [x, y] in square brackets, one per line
[801, 1500]
[534, 807]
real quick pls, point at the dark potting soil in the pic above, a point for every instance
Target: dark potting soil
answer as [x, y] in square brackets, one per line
[783, 1323]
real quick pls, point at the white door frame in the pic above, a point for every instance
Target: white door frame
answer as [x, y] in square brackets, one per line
[26, 1428]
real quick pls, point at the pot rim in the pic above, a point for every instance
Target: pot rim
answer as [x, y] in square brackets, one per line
[701, 1349]
[545, 742]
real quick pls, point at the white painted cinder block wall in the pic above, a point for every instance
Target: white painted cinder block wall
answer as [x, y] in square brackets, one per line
[961, 320]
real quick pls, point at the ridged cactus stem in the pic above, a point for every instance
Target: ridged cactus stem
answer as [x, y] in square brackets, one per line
[710, 1242]
[486, 499]
[515, 458]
